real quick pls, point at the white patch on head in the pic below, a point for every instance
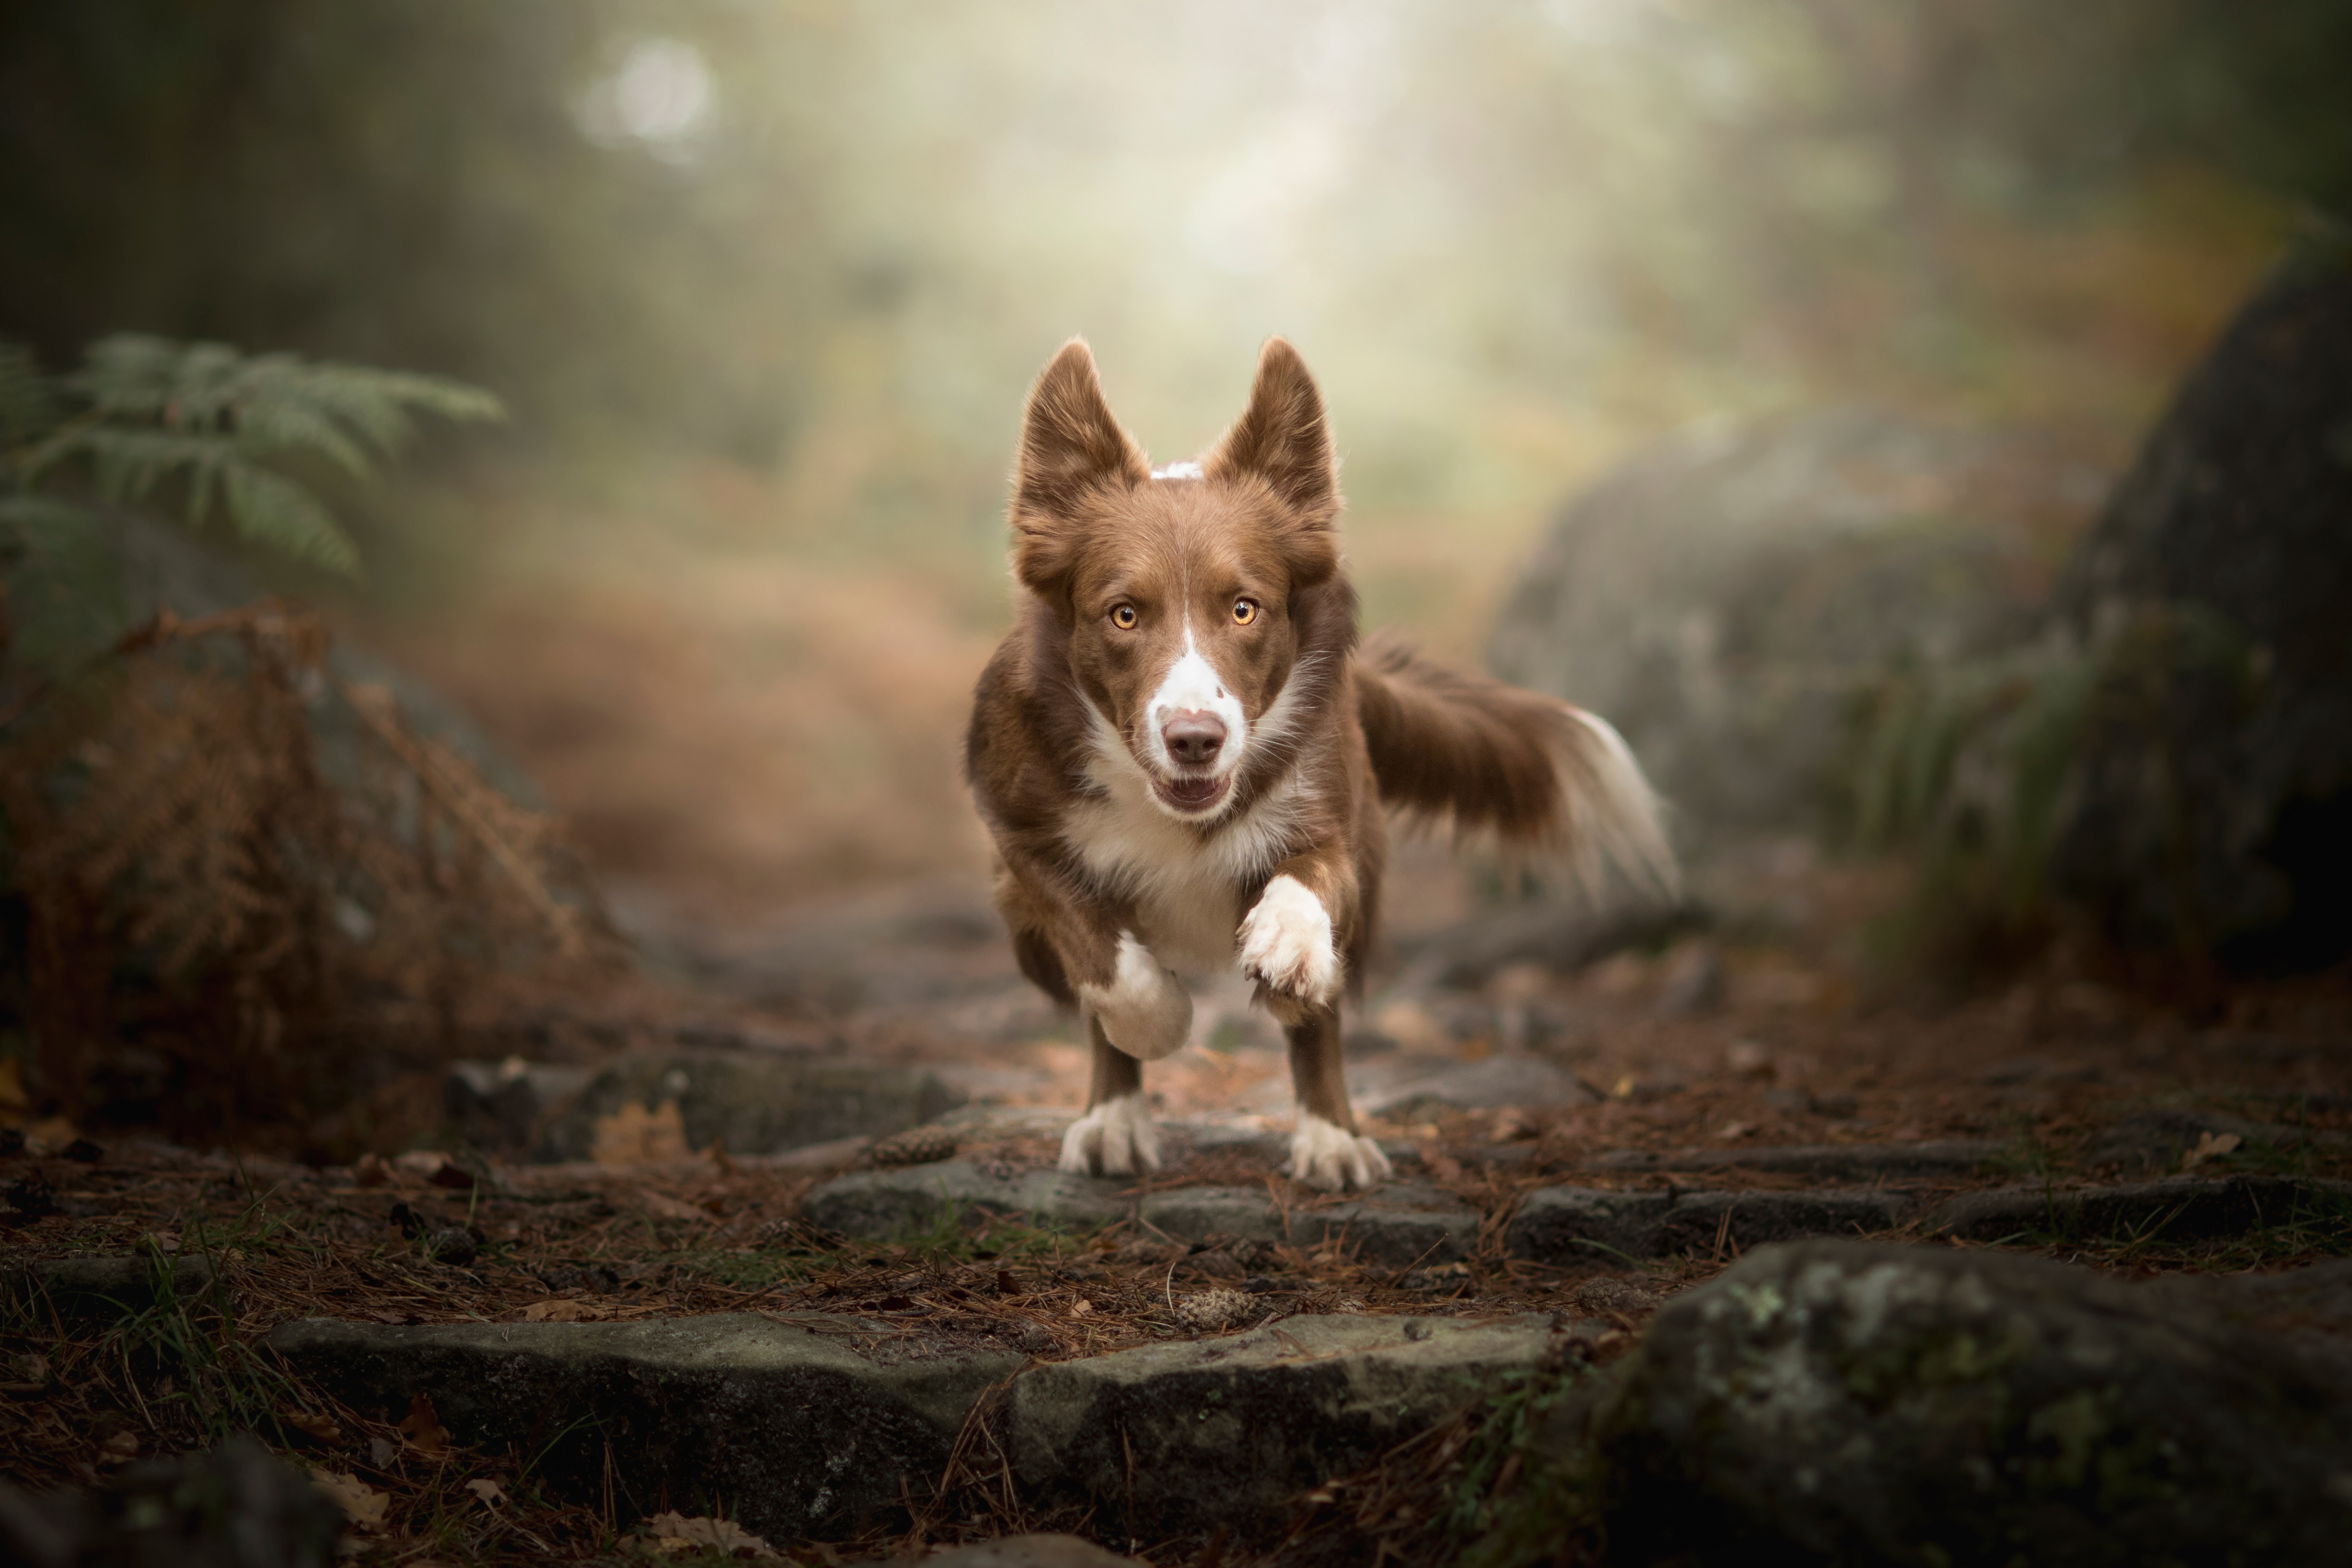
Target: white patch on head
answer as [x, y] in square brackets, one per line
[1192, 686]
[1325, 1155]
[1145, 1011]
[1187, 469]
[1116, 1138]
[1286, 943]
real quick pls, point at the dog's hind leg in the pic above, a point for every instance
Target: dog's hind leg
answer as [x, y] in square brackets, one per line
[1116, 1136]
[1325, 1149]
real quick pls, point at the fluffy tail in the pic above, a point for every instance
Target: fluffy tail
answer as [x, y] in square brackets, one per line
[1541, 775]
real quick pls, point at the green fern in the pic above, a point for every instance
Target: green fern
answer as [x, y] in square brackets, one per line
[1974, 761]
[145, 418]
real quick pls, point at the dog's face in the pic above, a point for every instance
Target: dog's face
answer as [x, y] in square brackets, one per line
[1181, 592]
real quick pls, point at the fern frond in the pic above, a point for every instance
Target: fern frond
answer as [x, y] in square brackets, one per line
[270, 509]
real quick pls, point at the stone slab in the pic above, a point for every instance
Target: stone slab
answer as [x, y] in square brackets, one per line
[1818, 1162]
[1183, 1437]
[799, 1429]
[877, 1206]
[2180, 1208]
[1586, 1225]
[1400, 1224]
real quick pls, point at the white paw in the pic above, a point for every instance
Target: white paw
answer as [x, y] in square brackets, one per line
[1116, 1138]
[1145, 1011]
[1330, 1157]
[1287, 944]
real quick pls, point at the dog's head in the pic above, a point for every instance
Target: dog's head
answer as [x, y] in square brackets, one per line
[1190, 596]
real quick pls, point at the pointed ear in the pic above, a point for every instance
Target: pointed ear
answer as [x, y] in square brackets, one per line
[1070, 445]
[1284, 439]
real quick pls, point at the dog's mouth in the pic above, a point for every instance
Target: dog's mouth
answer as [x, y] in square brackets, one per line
[1191, 794]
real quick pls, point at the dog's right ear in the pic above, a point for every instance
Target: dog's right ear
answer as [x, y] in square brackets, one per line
[1071, 445]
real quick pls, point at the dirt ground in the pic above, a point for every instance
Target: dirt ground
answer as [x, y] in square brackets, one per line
[1779, 1048]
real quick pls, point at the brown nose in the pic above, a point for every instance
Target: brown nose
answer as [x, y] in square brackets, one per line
[1193, 737]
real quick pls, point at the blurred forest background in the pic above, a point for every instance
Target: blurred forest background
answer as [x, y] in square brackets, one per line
[763, 283]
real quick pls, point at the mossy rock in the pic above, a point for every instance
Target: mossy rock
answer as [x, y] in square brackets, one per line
[1855, 1403]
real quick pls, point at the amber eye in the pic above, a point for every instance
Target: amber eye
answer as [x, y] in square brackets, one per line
[1123, 617]
[1244, 611]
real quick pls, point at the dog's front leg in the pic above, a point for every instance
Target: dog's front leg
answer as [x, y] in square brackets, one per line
[1076, 946]
[1116, 1136]
[1291, 944]
[1325, 1151]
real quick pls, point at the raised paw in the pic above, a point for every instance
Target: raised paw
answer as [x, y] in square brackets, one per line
[1116, 1138]
[1332, 1158]
[1285, 944]
[1145, 1010]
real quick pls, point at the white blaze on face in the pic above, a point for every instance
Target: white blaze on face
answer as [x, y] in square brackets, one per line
[1192, 686]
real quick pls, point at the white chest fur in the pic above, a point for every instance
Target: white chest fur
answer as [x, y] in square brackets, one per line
[1188, 888]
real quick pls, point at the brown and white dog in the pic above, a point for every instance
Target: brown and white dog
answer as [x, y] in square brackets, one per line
[1187, 762]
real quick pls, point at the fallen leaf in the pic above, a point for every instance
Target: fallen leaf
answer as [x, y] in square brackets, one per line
[1730, 1130]
[2210, 1144]
[369, 1171]
[563, 1311]
[1080, 1309]
[121, 1445]
[633, 1135]
[380, 1452]
[488, 1491]
[362, 1503]
[675, 1533]
[424, 1430]
[1006, 1285]
[317, 1427]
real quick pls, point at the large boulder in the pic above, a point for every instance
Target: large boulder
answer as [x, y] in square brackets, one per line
[1852, 1402]
[2215, 778]
[1723, 597]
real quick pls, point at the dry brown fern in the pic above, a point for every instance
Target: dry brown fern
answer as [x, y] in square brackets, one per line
[172, 820]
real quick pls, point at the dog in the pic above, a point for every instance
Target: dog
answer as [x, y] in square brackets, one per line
[1187, 762]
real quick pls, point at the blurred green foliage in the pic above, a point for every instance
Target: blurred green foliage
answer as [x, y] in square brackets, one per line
[216, 430]
[808, 203]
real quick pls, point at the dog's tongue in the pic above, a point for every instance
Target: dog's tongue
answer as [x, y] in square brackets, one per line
[1194, 792]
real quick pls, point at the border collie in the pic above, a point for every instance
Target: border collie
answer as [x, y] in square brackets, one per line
[1187, 761]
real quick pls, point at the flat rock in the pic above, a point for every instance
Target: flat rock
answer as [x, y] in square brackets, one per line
[2179, 1208]
[749, 1102]
[798, 1428]
[1868, 1403]
[1499, 1081]
[1818, 1162]
[1570, 1225]
[1182, 1437]
[1399, 1223]
[88, 1288]
[239, 1506]
[875, 1205]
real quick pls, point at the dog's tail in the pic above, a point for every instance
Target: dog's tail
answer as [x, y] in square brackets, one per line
[1543, 776]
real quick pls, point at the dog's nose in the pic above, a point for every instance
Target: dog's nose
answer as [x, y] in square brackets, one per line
[1193, 737]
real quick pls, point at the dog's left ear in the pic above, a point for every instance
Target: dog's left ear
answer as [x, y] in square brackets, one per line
[1284, 439]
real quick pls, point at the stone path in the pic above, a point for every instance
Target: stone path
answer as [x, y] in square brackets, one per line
[820, 1425]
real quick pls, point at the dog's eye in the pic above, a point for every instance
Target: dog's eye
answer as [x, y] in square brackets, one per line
[1123, 617]
[1244, 611]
